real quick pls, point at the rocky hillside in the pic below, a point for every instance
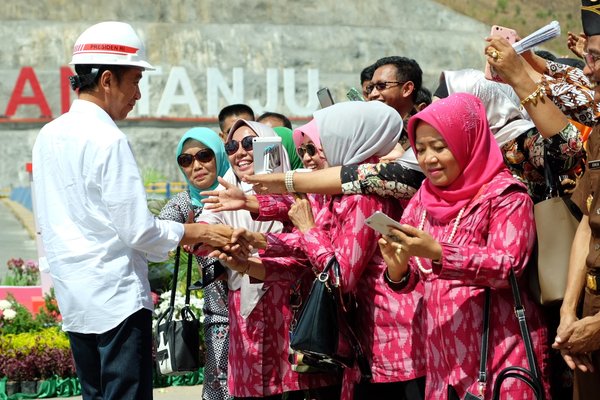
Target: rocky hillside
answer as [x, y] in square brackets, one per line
[525, 16]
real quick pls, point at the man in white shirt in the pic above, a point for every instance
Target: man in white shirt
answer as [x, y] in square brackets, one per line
[95, 225]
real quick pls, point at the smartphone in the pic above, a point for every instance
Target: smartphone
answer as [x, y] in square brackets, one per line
[381, 223]
[506, 33]
[354, 95]
[267, 155]
[325, 98]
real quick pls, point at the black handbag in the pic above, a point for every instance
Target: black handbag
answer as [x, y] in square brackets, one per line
[178, 341]
[322, 334]
[530, 376]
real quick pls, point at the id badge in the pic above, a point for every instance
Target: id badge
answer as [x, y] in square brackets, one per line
[594, 164]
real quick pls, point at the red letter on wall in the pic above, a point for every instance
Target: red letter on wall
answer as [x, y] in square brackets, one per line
[17, 98]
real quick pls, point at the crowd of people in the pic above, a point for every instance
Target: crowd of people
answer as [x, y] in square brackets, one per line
[460, 167]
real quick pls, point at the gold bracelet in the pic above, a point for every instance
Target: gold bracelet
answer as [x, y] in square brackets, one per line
[534, 97]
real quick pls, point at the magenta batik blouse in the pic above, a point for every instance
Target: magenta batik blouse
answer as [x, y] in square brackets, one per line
[495, 233]
[389, 325]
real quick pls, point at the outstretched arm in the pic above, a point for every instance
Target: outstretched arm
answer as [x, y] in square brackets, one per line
[548, 119]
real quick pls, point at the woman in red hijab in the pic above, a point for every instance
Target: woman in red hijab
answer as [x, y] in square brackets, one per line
[466, 227]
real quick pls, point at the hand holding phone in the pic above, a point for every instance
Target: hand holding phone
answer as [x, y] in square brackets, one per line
[382, 223]
[511, 36]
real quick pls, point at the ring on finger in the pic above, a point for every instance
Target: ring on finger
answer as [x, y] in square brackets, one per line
[494, 54]
[399, 249]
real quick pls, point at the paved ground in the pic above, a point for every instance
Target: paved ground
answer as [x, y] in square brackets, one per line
[168, 393]
[17, 230]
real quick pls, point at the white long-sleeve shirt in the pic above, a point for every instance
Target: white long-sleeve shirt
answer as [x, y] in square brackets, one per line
[96, 228]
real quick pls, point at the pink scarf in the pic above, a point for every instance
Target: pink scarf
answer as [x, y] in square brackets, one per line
[461, 120]
[311, 130]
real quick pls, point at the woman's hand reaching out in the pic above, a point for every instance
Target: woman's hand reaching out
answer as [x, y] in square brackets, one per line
[230, 199]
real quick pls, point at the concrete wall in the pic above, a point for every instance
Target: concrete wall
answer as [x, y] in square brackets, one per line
[338, 38]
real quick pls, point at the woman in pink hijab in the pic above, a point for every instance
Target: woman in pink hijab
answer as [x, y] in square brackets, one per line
[308, 146]
[466, 227]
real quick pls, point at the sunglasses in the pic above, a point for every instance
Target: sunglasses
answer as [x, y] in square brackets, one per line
[233, 146]
[309, 148]
[381, 86]
[185, 160]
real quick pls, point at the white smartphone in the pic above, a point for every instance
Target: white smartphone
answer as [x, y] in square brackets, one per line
[267, 155]
[325, 98]
[381, 223]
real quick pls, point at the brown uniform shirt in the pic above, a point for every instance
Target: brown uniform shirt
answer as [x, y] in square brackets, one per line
[587, 196]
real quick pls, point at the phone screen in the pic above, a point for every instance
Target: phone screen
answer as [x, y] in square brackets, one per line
[267, 155]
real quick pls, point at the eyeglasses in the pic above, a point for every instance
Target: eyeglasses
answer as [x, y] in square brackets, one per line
[309, 148]
[381, 86]
[591, 59]
[185, 160]
[233, 146]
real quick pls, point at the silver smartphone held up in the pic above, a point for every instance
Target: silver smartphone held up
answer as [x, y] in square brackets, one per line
[267, 155]
[325, 98]
[381, 223]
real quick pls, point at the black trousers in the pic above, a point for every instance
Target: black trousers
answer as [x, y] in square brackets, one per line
[116, 365]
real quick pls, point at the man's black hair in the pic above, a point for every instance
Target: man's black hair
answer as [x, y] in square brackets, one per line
[233, 110]
[286, 121]
[423, 96]
[407, 69]
[87, 76]
[367, 73]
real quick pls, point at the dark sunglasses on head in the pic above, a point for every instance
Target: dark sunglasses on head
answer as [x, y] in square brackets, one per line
[203, 156]
[308, 148]
[233, 146]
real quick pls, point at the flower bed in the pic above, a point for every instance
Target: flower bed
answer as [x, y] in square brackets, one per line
[35, 357]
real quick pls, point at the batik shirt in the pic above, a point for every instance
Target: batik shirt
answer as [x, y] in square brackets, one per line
[495, 233]
[389, 325]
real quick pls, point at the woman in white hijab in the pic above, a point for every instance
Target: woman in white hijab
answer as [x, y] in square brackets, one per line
[388, 324]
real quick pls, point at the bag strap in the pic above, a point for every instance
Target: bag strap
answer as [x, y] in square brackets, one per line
[529, 376]
[188, 281]
[361, 359]
[520, 313]
[482, 376]
[174, 283]
[551, 187]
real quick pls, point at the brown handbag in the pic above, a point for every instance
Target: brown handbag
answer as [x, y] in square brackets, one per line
[556, 226]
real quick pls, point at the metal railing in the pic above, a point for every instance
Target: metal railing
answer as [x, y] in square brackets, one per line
[166, 189]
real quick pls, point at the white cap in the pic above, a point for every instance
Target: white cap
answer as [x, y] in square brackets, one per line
[110, 43]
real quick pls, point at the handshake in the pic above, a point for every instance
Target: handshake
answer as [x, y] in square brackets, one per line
[233, 246]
